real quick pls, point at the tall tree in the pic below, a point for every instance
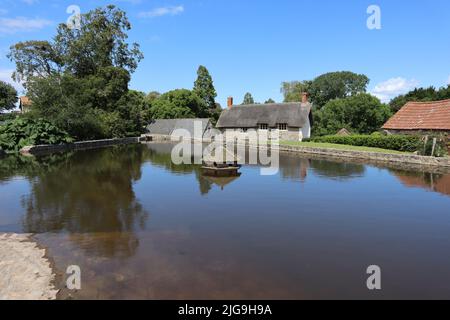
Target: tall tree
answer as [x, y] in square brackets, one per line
[80, 79]
[336, 85]
[248, 99]
[204, 89]
[269, 101]
[8, 96]
[292, 91]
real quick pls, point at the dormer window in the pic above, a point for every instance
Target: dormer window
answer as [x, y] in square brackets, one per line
[263, 126]
[282, 126]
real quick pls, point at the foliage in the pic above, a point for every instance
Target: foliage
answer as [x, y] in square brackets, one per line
[269, 101]
[80, 80]
[422, 95]
[248, 99]
[440, 149]
[337, 85]
[292, 91]
[177, 104]
[326, 87]
[204, 89]
[392, 142]
[151, 97]
[361, 113]
[8, 96]
[8, 116]
[21, 132]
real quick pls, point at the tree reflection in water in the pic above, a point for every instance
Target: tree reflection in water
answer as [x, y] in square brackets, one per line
[86, 194]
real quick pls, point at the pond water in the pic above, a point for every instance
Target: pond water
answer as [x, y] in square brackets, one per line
[141, 227]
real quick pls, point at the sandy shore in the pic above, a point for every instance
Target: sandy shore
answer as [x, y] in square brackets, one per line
[25, 273]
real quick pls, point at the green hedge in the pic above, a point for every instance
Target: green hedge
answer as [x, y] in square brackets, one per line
[393, 142]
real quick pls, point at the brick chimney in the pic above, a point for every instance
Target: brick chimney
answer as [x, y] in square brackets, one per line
[305, 97]
[230, 102]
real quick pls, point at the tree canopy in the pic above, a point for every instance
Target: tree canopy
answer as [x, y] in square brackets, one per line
[8, 96]
[80, 79]
[248, 99]
[177, 104]
[421, 95]
[326, 87]
[292, 91]
[361, 113]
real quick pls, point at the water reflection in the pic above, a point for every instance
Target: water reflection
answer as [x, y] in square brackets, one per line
[83, 193]
[430, 181]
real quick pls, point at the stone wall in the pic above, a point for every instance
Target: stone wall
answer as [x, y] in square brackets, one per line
[83, 145]
[374, 156]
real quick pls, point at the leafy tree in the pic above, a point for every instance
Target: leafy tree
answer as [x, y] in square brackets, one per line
[204, 89]
[80, 80]
[361, 113]
[336, 85]
[152, 96]
[248, 99]
[177, 104]
[292, 91]
[269, 101]
[8, 96]
[420, 94]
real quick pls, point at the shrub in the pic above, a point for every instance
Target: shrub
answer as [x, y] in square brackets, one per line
[394, 142]
[440, 149]
[21, 132]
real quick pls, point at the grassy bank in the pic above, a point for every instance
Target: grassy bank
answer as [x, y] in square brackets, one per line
[339, 147]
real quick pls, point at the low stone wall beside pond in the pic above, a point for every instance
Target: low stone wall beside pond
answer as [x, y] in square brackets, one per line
[374, 156]
[83, 145]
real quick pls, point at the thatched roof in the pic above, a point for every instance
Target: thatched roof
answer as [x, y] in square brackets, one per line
[168, 126]
[250, 116]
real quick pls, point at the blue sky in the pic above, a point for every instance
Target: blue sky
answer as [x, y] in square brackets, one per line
[254, 45]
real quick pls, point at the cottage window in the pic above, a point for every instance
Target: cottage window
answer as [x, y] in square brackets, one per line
[244, 129]
[263, 126]
[282, 126]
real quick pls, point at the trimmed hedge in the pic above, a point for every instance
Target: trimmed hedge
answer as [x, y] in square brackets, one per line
[394, 142]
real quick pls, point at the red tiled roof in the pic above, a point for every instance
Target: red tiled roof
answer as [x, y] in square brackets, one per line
[421, 116]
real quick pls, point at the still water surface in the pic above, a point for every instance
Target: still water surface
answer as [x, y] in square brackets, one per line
[142, 228]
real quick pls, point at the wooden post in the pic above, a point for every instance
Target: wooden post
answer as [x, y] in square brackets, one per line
[434, 146]
[425, 146]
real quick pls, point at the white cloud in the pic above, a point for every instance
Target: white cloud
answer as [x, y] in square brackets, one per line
[21, 24]
[387, 90]
[163, 11]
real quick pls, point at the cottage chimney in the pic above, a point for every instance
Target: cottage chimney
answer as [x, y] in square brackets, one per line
[230, 102]
[305, 97]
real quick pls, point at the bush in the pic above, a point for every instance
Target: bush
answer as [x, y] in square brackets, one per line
[440, 149]
[18, 133]
[394, 142]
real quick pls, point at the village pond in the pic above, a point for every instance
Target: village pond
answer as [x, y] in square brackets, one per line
[141, 227]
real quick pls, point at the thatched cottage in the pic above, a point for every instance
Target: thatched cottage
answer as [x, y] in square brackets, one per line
[292, 120]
